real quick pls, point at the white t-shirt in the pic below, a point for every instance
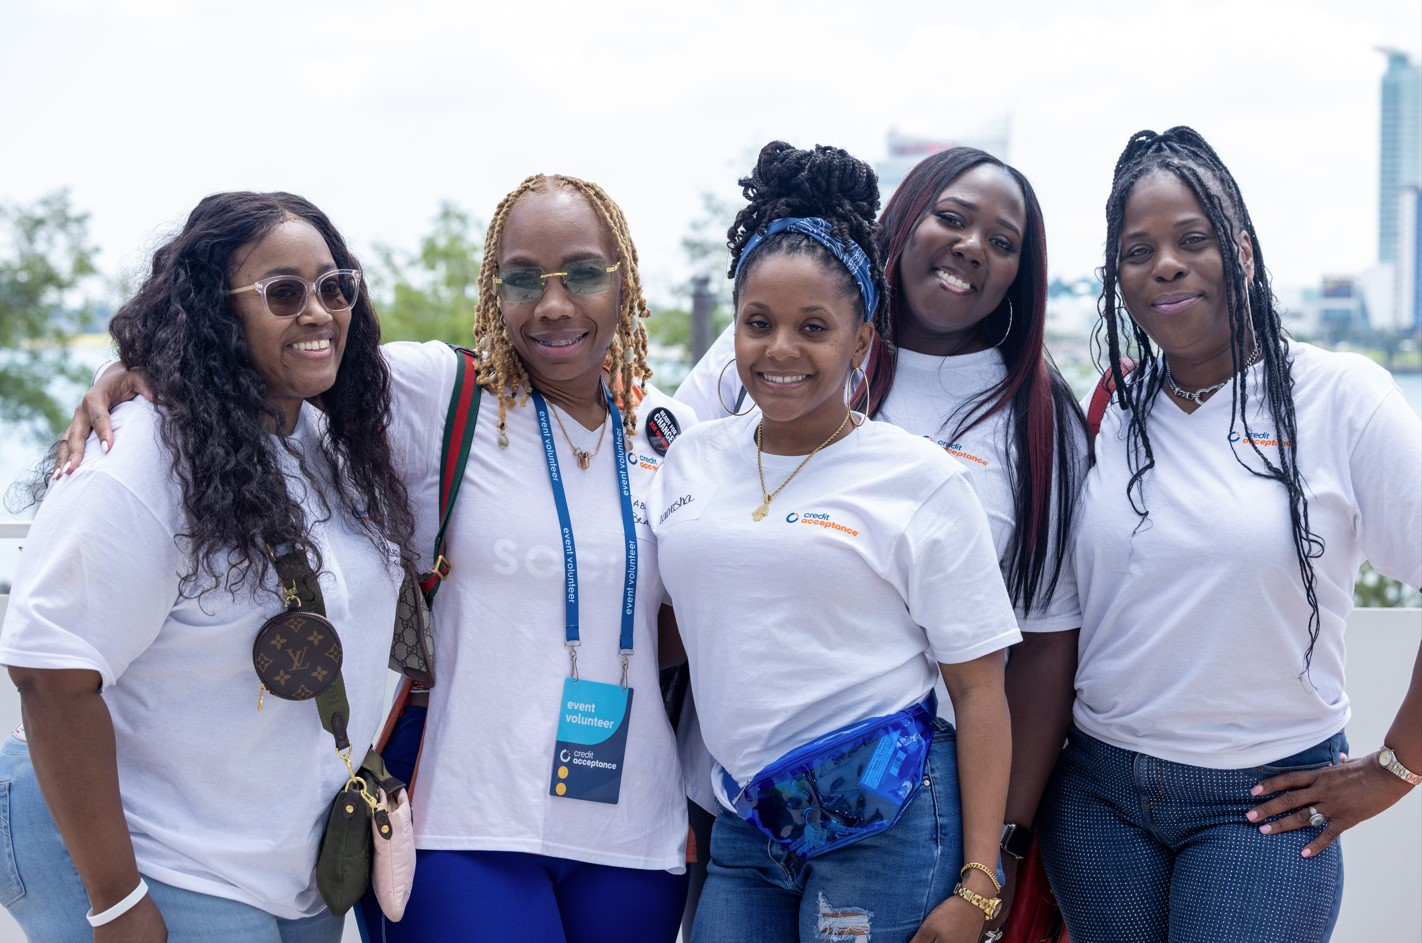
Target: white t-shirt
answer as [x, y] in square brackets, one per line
[499, 632]
[219, 798]
[874, 564]
[928, 398]
[1195, 622]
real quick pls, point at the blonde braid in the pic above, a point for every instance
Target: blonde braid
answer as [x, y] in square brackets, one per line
[502, 371]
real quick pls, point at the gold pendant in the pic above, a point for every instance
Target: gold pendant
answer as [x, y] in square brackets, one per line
[584, 459]
[759, 513]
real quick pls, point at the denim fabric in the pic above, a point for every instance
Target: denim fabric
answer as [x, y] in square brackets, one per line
[880, 888]
[505, 895]
[42, 891]
[1143, 850]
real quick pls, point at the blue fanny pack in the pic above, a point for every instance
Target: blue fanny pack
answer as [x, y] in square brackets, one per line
[844, 786]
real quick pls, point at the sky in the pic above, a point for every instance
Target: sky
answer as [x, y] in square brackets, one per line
[378, 111]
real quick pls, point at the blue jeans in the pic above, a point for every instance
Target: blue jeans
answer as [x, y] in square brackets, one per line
[881, 887]
[42, 890]
[1143, 850]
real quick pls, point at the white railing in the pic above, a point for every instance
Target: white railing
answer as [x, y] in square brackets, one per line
[1384, 856]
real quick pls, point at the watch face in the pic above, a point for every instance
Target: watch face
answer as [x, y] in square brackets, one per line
[1385, 757]
[996, 909]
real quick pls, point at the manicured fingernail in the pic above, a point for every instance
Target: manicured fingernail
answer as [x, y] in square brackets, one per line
[1308, 852]
[1251, 815]
[1266, 829]
[104, 445]
[1257, 791]
[57, 472]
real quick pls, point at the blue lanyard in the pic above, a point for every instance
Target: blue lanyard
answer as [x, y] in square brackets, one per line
[570, 550]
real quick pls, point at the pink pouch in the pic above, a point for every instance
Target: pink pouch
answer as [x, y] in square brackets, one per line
[392, 871]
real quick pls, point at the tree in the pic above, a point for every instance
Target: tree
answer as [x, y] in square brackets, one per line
[704, 246]
[45, 263]
[431, 294]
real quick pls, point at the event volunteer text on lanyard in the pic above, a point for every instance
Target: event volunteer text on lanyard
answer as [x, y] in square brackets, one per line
[593, 716]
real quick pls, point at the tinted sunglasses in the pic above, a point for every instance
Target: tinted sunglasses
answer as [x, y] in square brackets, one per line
[583, 277]
[286, 295]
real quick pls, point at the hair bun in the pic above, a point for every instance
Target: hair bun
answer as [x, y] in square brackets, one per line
[825, 181]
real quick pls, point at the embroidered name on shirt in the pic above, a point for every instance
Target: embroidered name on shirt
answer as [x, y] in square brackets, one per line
[680, 502]
[815, 519]
[1261, 439]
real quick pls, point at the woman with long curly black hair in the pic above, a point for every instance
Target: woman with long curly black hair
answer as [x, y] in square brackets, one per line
[150, 781]
[960, 358]
[1241, 478]
[848, 809]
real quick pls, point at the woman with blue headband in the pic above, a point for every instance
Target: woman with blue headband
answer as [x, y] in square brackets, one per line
[826, 569]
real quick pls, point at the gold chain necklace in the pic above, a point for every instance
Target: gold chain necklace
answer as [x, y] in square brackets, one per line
[583, 456]
[759, 513]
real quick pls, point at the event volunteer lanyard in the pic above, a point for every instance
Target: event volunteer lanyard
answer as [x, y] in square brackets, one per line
[570, 551]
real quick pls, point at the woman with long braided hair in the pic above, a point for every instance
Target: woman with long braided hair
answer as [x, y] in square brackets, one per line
[1241, 478]
[827, 569]
[549, 805]
[959, 357]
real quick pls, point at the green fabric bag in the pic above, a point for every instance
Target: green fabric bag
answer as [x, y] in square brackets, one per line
[343, 863]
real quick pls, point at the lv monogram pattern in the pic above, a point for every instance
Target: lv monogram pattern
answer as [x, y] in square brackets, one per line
[297, 655]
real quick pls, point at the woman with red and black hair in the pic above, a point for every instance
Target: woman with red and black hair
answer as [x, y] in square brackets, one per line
[960, 359]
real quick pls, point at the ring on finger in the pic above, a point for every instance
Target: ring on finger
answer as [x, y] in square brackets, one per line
[1316, 818]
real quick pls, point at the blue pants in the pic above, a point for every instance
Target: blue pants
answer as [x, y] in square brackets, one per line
[1143, 850]
[506, 895]
[880, 888]
[42, 890]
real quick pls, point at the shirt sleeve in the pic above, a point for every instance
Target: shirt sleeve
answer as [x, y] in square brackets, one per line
[955, 588]
[97, 578]
[1386, 469]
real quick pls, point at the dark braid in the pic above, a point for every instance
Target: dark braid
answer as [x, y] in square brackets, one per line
[1181, 151]
[827, 182]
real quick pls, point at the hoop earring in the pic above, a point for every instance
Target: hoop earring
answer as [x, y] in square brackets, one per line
[720, 378]
[868, 398]
[1007, 333]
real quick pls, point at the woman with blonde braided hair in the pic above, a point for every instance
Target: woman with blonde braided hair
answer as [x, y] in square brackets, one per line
[550, 803]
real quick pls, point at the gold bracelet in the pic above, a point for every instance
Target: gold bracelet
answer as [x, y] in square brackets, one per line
[990, 906]
[976, 866]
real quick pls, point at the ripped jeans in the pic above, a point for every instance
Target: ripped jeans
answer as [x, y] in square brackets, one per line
[878, 889]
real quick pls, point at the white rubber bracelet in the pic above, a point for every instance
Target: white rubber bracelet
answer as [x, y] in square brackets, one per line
[119, 909]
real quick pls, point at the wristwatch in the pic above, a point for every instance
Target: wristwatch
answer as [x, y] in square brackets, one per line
[1016, 840]
[991, 906]
[1388, 761]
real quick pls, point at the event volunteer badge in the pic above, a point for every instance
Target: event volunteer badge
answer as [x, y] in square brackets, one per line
[592, 740]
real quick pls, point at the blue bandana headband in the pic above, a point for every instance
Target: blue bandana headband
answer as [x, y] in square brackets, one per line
[850, 255]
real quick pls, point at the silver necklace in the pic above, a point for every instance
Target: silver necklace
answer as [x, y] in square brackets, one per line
[1198, 396]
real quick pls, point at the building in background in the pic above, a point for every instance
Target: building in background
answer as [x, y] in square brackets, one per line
[1400, 144]
[906, 151]
[1407, 267]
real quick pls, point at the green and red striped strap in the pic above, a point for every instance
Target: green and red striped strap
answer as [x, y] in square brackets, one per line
[459, 423]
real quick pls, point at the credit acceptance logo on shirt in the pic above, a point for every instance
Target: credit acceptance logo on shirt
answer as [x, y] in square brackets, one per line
[817, 519]
[955, 449]
[1261, 439]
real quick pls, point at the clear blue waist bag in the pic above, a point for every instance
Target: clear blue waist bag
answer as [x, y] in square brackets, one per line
[842, 787]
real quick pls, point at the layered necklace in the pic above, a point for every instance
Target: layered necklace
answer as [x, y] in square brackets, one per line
[759, 513]
[1198, 396]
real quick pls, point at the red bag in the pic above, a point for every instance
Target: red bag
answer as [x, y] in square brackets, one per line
[1034, 917]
